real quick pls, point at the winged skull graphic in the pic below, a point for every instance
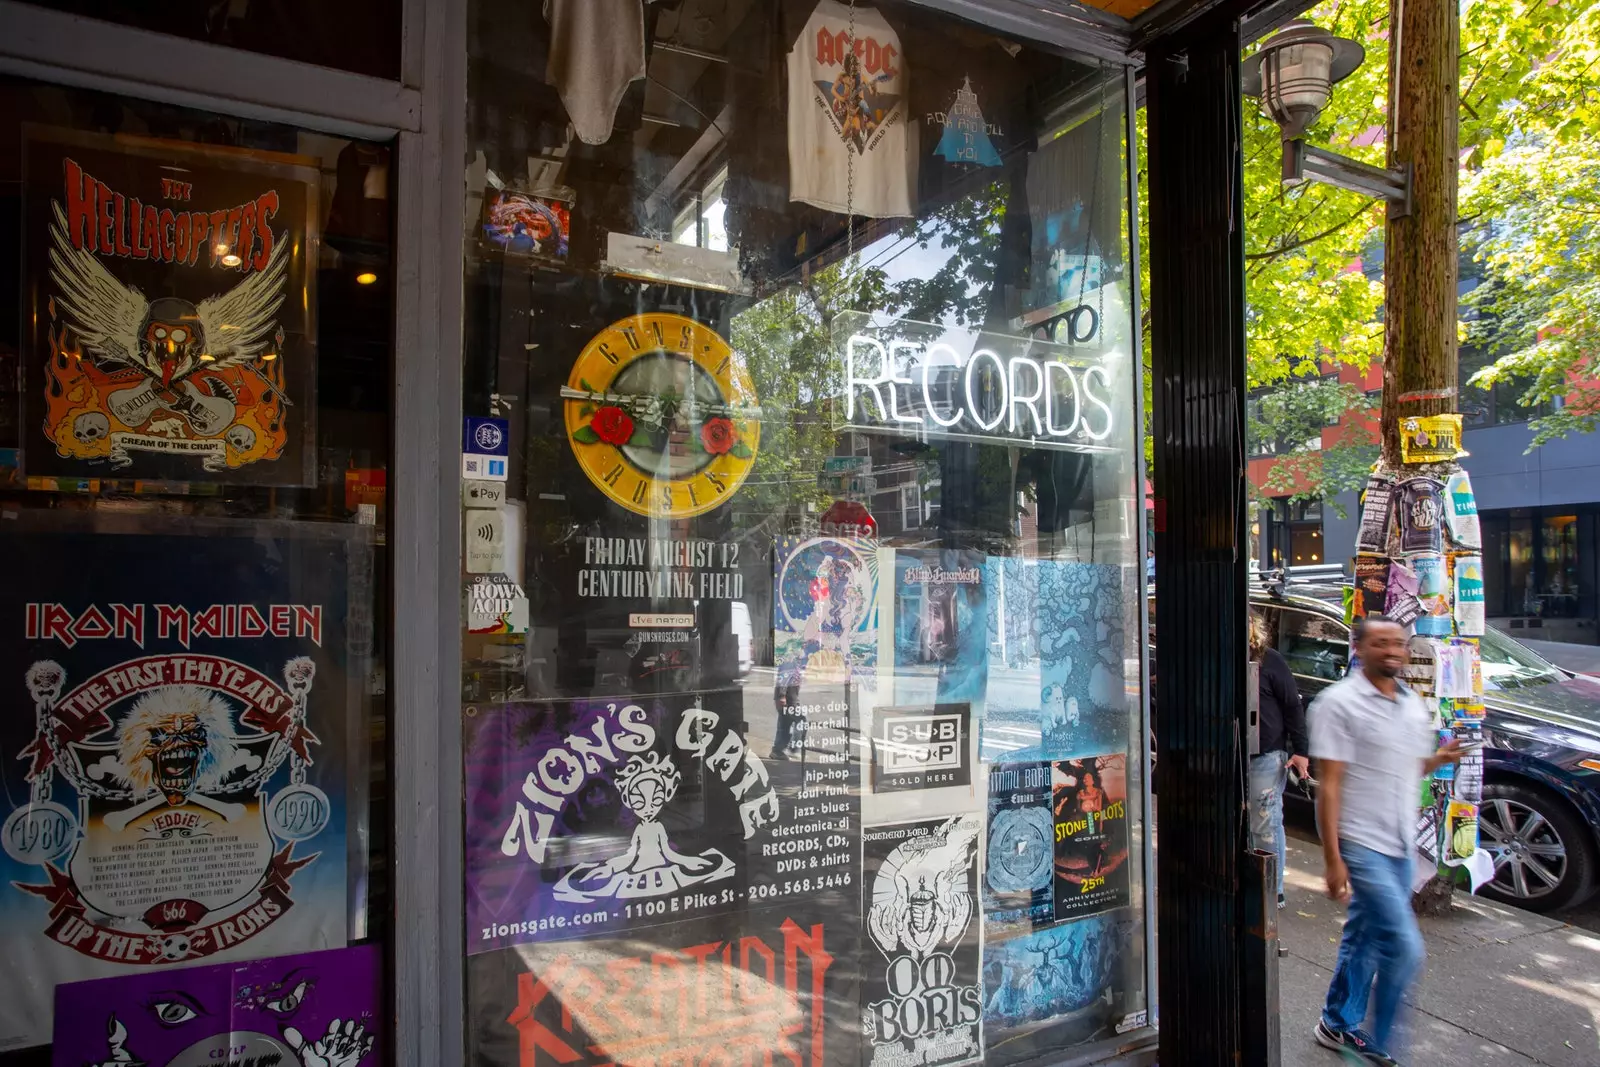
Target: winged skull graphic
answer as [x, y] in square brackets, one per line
[930, 904]
[168, 340]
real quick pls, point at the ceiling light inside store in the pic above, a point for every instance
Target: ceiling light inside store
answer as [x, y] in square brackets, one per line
[366, 277]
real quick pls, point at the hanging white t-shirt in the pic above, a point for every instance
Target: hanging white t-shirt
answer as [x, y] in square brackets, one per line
[848, 111]
[596, 52]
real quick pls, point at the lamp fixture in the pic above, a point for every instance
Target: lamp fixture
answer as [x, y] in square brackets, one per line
[366, 277]
[1293, 75]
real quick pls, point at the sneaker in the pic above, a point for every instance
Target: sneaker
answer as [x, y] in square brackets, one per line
[1281, 902]
[1353, 1044]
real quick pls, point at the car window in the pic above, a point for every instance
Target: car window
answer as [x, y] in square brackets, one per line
[1508, 665]
[1314, 645]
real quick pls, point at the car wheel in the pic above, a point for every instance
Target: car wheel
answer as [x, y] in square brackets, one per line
[1543, 858]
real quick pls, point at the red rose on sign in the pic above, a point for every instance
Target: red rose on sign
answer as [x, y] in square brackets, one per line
[612, 425]
[718, 436]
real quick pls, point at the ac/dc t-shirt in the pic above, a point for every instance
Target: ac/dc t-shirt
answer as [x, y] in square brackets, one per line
[851, 148]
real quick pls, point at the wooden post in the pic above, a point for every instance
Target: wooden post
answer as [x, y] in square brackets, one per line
[1420, 256]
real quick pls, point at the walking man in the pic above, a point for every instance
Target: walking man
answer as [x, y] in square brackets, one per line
[1373, 742]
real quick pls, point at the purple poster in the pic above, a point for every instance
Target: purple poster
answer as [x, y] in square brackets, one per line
[316, 1009]
[587, 817]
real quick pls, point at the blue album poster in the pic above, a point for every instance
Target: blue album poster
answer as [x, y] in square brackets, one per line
[175, 765]
[941, 627]
[1060, 981]
[825, 610]
[1081, 648]
[1019, 872]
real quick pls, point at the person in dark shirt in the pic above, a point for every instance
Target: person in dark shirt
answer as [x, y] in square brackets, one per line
[1283, 745]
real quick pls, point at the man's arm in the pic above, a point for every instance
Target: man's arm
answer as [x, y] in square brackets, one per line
[1449, 752]
[1330, 797]
[1294, 713]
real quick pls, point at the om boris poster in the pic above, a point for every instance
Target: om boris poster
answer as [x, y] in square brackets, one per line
[177, 777]
[922, 991]
[172, 331]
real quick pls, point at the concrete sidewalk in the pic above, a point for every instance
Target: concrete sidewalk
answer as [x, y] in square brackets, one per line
[1502, 986]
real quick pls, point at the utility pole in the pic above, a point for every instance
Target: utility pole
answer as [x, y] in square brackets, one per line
[1420, 253]
[1418, 483]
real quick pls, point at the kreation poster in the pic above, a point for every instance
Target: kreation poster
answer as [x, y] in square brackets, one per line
[767, 986]
[316, 1009]
[173, 332]
[612, 814]
[1091, 813]
[922, 994]
[175, 763]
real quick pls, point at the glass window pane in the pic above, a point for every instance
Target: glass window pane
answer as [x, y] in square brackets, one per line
[193, 797]
[361, 36]
[1314, 645]
[811, 580]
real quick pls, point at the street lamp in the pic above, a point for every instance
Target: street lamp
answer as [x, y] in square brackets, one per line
[1293, 74]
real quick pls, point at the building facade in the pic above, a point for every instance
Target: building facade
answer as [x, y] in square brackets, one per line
[611, 533]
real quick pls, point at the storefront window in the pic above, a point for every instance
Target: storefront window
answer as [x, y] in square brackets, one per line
[194, 339]
[1559, 545]
[801, 707]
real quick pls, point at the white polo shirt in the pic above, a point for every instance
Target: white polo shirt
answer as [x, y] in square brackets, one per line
[1382, 743]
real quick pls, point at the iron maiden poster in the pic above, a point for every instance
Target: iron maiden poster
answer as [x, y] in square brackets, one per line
[171, 311]
[605, 815]
[316, 1009]
[1091, 813]
[922, 996]
[174, 764]
[756, 988]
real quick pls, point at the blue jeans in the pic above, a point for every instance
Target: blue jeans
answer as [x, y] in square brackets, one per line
[1380, 939]
[1269, 772]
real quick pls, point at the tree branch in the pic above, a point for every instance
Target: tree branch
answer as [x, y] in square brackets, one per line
[1290, 246]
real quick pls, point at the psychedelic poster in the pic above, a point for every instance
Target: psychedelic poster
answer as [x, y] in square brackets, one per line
[178, 771]
[825, 610]
[316, 1009]
[1081, 649]
[941, 627]
[1019, 867]
[1091, 847]
[773, 985]
[172, 315]
[602, 816]
[922, 995]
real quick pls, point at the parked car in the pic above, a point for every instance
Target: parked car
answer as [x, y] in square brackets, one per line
[1540, 816]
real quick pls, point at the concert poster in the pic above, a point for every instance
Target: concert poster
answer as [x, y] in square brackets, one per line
[1019, 862]
[609, 815]
[1081, 649]
[940, 626]
[922, 993]
[171, 310]
[1060, 985]
[177, 771]
[320, 1008]
[1091, 830]
[771, 985]
[825, 610]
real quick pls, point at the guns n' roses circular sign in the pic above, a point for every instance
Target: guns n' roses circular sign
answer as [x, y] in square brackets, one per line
[662, 416]
[172, 318]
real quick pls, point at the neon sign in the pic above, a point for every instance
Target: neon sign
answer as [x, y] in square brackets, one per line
[921, 380]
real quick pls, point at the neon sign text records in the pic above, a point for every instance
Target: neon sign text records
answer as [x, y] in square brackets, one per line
[923, 380]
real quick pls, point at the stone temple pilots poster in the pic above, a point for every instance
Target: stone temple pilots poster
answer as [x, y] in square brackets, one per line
[172, 322]
[174, 761]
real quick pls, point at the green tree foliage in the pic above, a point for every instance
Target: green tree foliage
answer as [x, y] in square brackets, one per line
[1532, 199]
[1530, 193]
